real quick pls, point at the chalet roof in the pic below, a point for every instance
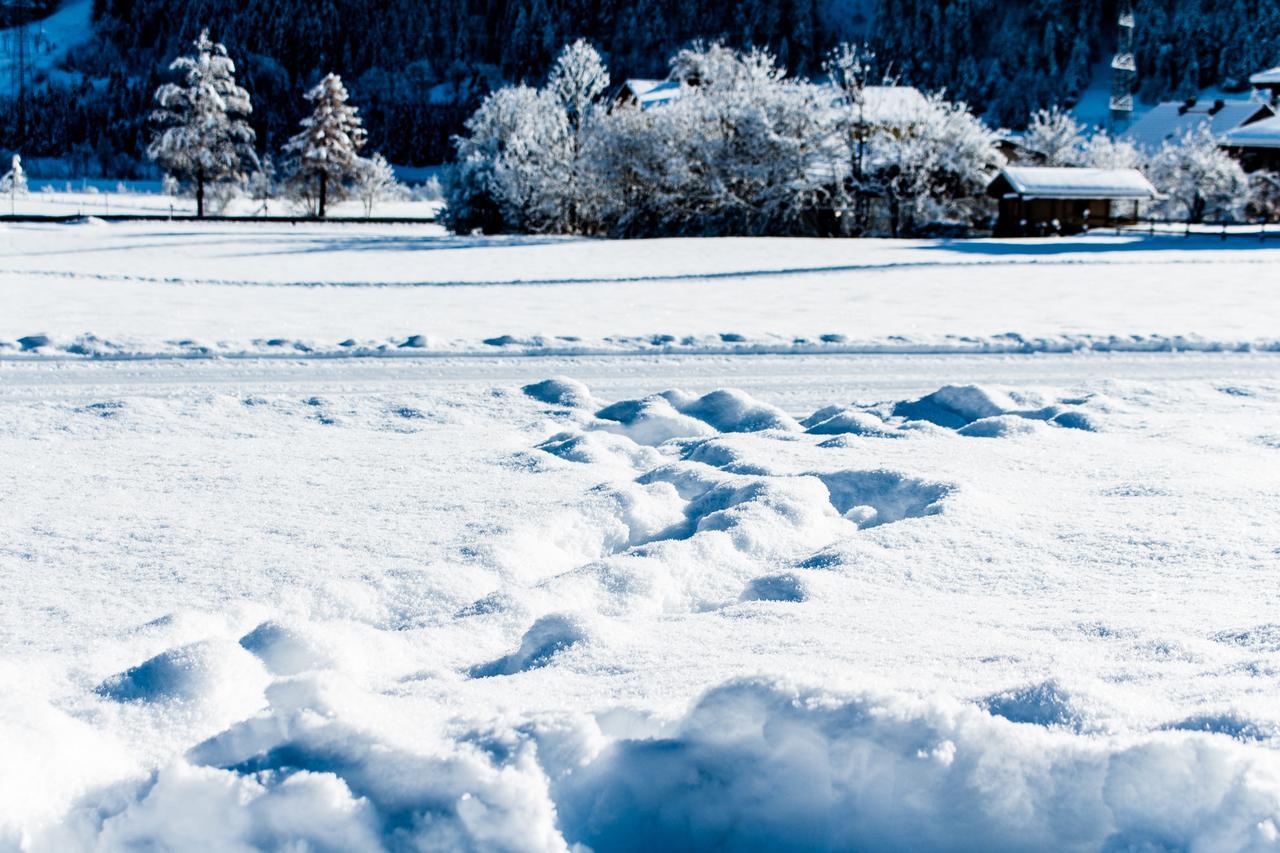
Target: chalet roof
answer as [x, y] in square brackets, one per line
[1170, 120]
[1260, 134]
[648, 93]
[1269, 77]
[1070, 183]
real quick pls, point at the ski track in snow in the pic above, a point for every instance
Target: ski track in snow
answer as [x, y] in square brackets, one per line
[488, 616]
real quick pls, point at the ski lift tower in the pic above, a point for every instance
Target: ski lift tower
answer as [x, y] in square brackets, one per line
[16, 14]
[1124, 72]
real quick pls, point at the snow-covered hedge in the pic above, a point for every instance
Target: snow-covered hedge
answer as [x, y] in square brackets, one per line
[745, 150]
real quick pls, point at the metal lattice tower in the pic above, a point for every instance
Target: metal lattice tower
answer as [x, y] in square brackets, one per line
[20, 56]
[1124, 72]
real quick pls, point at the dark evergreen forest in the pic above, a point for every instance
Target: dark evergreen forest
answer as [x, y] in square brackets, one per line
[417, 68]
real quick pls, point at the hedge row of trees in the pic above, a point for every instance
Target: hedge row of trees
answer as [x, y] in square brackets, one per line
[745, 150]
[748, 150]
[205, 145]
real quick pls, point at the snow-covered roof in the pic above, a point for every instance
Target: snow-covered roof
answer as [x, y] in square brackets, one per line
[1170, 120]
[1266, 78]
[648, 93]
[1260, 134]
[1072, 183]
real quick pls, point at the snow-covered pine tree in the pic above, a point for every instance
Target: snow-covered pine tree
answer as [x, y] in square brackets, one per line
[326, 152]
[204, 138]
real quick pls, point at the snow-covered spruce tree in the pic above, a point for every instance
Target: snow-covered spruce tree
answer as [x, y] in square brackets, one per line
[1199, 179]
[203, 138]
[324, 157]
[375, 180]
[1056, 137]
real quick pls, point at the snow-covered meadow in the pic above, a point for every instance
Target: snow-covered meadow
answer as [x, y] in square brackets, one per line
[646, 545]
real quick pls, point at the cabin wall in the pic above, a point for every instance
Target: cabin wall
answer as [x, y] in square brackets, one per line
[1045, 216]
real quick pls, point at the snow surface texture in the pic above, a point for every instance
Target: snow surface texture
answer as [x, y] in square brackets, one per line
[179, 290]
[527, 615]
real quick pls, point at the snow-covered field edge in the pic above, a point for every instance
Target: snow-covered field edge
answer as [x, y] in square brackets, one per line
[39, 346]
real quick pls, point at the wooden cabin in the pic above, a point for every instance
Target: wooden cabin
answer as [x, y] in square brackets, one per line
[1256, 146]
[1038, 201]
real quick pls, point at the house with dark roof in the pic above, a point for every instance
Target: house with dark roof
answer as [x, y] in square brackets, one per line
[1040, 200]
[1256, 145]
[1268, 81]
[1170, 121]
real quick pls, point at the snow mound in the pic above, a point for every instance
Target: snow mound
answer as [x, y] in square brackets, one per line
[782, 587]
[999, 426]
[600, 448]
[1043, 704]
[872, 498]
[729, 410]
[759, 765]
[561, 391]
[678, 414]
[286, 650]
[210, 671]
[651, 421]
[1075, 419]
[849, 422]
[545, 639]
[954, 406]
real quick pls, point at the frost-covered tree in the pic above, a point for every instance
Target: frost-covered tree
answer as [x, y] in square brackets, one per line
[1198, 178]
[577, 81]
[203, 138]
[1264, 196]
[324, 156]
[263, 186]
[14, 182]
[522, 164]
[1057, 137]
[849, 69]
[1103, 151]
[937, 169]
[375, 181]
[510, 169]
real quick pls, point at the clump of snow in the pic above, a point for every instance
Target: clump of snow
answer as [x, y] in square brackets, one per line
[954, 406]
[849, 422]
[545, 639]
[999, 426]
[787, 586]
[561, 391]
[652, 421]
[600, 448]
[216, 671]
[872, 498]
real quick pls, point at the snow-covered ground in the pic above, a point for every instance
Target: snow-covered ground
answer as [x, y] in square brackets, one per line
[89, 198]
[808, 600]
[189, 289]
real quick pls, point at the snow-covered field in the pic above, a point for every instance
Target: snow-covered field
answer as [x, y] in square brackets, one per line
[812, 599]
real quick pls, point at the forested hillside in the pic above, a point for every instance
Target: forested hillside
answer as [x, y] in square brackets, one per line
[417, 68]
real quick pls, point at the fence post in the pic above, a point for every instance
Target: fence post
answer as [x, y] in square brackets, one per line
[1224, 229]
